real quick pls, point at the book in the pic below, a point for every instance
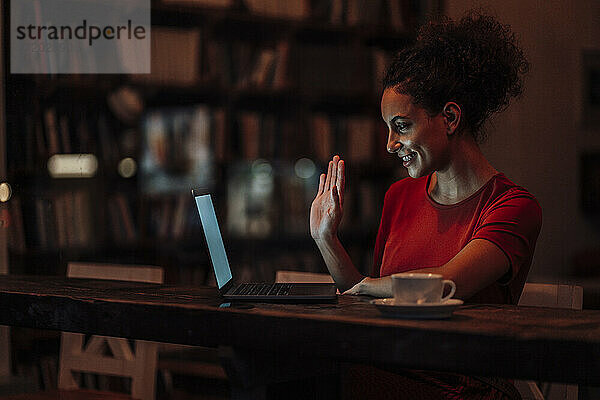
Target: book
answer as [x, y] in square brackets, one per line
[327, 70]
[82, 218]
[125, 215]
[320, 10]
[250, 126]
[337, 12]
[340, 135]
[116, 223]
[42, 226]
[364, 12]
[243, 58]
[396, 14]
[29, 148]
[280, 71]
[166, 216]
[219, 133]
[69, 216]
[295, 208]
[108, 146]
[360, 131]
[151, 217]
[40, 140]
[263, 68]
[297, 9]
[175, 57]
[179, 214]
[217, 67]
[51, 131]
[197, 140]
[65, 136]
[208, 68]
[322, 137]
[85, 143]
[381, 61]
[16, 226]
[267, 137]
[60, 213]
[368, 205]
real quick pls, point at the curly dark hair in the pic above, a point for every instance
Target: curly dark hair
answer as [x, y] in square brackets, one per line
[475, 62]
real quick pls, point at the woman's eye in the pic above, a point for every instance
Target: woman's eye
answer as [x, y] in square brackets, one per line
[401, 126]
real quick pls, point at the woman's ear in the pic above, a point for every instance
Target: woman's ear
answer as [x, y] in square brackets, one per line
[452, 114]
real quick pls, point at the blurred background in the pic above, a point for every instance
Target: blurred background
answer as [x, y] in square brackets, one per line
[248, 100]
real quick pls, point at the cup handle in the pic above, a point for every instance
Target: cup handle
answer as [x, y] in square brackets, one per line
[452, 289]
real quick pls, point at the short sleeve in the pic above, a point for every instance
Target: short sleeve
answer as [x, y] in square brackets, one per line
[512, 222]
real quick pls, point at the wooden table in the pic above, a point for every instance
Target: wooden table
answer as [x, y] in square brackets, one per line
[518, 342]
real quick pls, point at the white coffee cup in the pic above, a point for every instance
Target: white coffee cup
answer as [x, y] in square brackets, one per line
[418, 288]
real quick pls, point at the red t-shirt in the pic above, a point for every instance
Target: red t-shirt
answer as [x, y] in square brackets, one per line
[417, 232]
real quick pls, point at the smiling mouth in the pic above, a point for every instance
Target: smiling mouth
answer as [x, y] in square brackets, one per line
[407, 158]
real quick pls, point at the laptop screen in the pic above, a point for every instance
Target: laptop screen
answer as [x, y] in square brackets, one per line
[214, 239]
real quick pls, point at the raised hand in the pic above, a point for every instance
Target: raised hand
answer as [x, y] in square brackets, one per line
[327, 208]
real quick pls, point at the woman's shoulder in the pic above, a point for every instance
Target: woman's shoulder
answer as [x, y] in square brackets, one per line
[505, 193]
[506, 189]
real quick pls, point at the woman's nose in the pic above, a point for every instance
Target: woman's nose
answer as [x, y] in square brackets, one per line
[393, 145]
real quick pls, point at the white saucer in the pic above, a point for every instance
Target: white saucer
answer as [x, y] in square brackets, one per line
[417, 311]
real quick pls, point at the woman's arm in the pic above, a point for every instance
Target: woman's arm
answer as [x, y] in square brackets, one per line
[339, 264]
[479, 264]
[325, 215]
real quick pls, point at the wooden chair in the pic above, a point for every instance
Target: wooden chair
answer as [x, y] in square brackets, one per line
[558, 296]
[77, 356]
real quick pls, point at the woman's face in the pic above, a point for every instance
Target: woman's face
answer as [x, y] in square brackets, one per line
[419, 140]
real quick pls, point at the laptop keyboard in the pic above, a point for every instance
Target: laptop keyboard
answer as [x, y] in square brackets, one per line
[263, 289]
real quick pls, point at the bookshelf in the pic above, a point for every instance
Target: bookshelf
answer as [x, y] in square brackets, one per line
[247, 99]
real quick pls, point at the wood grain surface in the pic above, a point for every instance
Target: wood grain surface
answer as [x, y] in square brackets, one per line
[519, 342]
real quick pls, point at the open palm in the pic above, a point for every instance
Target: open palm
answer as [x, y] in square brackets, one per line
[327, 208]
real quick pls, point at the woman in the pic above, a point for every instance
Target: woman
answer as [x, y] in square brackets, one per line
[455, 215]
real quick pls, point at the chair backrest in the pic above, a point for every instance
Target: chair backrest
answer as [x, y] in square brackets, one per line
[302, 277]
[115, 272]
[548, 295]
[556, 296]
[78, 356]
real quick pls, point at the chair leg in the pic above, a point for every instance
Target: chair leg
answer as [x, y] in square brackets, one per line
[143, 382]
[71, 345]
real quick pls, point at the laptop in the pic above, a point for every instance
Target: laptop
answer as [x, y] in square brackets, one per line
[230, 290]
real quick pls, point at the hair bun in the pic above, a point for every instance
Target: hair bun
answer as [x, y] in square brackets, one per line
[476, 62]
